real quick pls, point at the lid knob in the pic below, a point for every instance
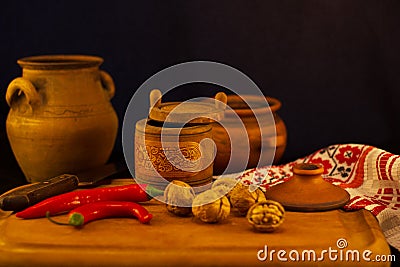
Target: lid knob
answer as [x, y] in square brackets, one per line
[155, 98]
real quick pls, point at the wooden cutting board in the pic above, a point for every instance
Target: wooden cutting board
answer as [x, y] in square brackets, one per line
[173, 241]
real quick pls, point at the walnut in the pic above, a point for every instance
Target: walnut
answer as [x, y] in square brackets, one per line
[178, 197]
[210, 207]
[242, 197]
[224, 186]
[266, 216]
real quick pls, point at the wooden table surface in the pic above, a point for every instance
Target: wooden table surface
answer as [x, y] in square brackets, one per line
[174, 241]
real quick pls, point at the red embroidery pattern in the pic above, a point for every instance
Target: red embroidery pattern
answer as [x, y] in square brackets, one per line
[348, 154]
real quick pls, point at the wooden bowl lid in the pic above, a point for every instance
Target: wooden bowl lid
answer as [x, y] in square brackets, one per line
[185, 112]
[308, 191]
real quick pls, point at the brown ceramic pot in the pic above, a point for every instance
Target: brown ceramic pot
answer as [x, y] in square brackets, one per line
[61, 119]
[274, 140]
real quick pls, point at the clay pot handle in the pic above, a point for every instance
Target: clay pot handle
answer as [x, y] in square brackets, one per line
[25, 86]
[155, 98]
[108, 83]
[222, 100]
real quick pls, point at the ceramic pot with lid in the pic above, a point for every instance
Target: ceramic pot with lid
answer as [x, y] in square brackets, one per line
[308, 191]
[175, 141]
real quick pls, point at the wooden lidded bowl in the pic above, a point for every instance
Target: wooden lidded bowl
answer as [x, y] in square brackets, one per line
[174, 142]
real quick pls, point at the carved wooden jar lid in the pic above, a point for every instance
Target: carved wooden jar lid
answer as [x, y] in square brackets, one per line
[308, 191]
[202, 112]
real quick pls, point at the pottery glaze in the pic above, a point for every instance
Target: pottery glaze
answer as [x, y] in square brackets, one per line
[60, 119]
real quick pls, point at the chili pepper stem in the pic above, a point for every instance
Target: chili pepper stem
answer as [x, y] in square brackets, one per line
[153, 191]
[54, 221]
[76, 219]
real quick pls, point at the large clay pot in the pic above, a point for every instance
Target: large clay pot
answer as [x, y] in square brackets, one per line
[274, 141]
[61, 119]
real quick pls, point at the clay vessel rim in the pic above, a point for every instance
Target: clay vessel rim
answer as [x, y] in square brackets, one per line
[258, 101]
[308, 169]
[59, 61]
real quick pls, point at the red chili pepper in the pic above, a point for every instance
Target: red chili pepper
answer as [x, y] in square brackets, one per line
[106, 209]
[68, 201]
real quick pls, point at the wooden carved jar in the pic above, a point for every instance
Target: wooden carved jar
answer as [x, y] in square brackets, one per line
[61, 119]
[266, 133]
[175, 142]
